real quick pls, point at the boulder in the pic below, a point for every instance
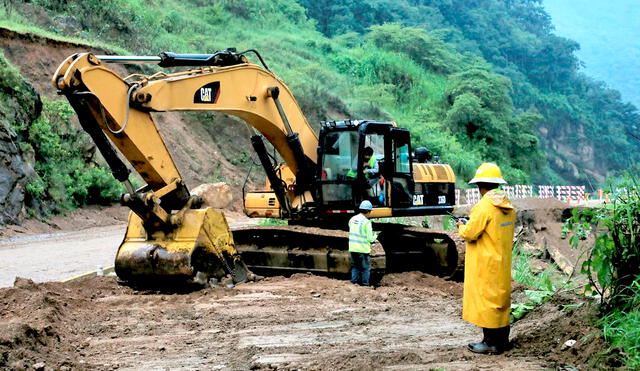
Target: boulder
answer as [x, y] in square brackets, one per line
[13, 177]
[215, 195]
[20, 105]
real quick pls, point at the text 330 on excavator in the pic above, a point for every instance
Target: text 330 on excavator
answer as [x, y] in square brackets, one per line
[318, 187]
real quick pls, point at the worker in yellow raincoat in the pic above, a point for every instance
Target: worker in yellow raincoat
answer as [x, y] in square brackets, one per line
[487, 273]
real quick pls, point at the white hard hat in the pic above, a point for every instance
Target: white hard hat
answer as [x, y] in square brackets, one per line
[366, 205]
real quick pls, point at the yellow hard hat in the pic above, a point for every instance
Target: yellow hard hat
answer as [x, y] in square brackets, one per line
[488, 173]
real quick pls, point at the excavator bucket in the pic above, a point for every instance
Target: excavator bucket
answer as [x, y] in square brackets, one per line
[201, 245]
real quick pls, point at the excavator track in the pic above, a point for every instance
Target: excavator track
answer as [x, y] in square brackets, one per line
[270, 250]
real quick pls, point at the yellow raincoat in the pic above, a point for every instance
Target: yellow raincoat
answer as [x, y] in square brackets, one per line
[487, 274]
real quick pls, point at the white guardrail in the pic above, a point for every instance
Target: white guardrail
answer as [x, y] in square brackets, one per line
[563, 193]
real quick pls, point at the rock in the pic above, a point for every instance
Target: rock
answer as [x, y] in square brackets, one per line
[69, 24]
[562, 261]
[215, 195]
[20, 105]
[213, 282]
[568, 344]
[23, 283]
[18, 365]
[39, 366]
[228, 282]
[12, 177]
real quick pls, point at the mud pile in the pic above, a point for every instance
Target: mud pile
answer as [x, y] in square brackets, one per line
[546, 331]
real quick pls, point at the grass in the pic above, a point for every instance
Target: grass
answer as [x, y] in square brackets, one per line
[524, 272]
[21, 28]
[622, 329]
[272, 222]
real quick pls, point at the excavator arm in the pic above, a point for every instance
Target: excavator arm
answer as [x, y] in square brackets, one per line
[121, 108]
[116, 111]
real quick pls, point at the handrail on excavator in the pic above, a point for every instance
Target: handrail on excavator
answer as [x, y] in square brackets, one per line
[170, 59]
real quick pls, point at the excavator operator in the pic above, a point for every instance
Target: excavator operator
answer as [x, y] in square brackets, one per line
[372, 175]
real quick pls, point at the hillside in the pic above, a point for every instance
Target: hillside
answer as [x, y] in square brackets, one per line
[472, 84]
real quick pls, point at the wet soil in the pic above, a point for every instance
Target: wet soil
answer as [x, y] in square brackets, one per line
[539, 225]
[411, 321]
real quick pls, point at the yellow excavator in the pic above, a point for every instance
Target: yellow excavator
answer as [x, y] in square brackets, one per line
[318, 186]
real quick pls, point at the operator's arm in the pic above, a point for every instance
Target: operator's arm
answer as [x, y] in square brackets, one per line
[374, 170]
[478, 220]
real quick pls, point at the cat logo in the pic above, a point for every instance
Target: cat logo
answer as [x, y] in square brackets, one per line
[207, 94]
[418, 200]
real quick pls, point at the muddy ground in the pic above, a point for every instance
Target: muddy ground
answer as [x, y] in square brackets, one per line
[412, 321]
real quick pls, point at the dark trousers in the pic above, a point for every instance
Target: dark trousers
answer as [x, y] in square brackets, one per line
[498, 337]
[360, 268]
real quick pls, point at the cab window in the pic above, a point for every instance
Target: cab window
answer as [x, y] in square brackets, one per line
[340, 155]
[402, 158]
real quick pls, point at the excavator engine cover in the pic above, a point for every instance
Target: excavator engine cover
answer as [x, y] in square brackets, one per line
[201, 243]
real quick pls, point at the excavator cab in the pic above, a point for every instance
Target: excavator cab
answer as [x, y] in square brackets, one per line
[368, 160]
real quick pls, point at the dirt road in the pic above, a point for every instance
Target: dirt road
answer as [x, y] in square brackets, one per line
[411, 321]
[56, 256]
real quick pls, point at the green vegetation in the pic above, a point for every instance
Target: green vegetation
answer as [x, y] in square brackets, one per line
[61, 178]
[544, 283]
[18, 101]
[516, 41]
[65, 176]
[613, 263]
[272, 222]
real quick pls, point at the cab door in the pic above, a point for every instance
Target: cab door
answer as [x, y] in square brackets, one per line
[401, 182]
[337, 170]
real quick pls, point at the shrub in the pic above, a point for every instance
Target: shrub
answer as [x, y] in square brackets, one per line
[64, 178]
[613, 263]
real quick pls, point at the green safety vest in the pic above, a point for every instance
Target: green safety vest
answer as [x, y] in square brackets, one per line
[372, 163]
[352, 173]
[360, 234]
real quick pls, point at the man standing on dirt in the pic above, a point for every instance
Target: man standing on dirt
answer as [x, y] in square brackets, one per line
[360, 238]
[487, 274]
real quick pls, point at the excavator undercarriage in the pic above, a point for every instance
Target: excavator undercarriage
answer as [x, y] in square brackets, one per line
[272, 250]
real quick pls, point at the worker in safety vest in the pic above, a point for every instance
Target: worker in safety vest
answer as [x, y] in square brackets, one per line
[370, 166]
[360, 238]
[487, 273]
